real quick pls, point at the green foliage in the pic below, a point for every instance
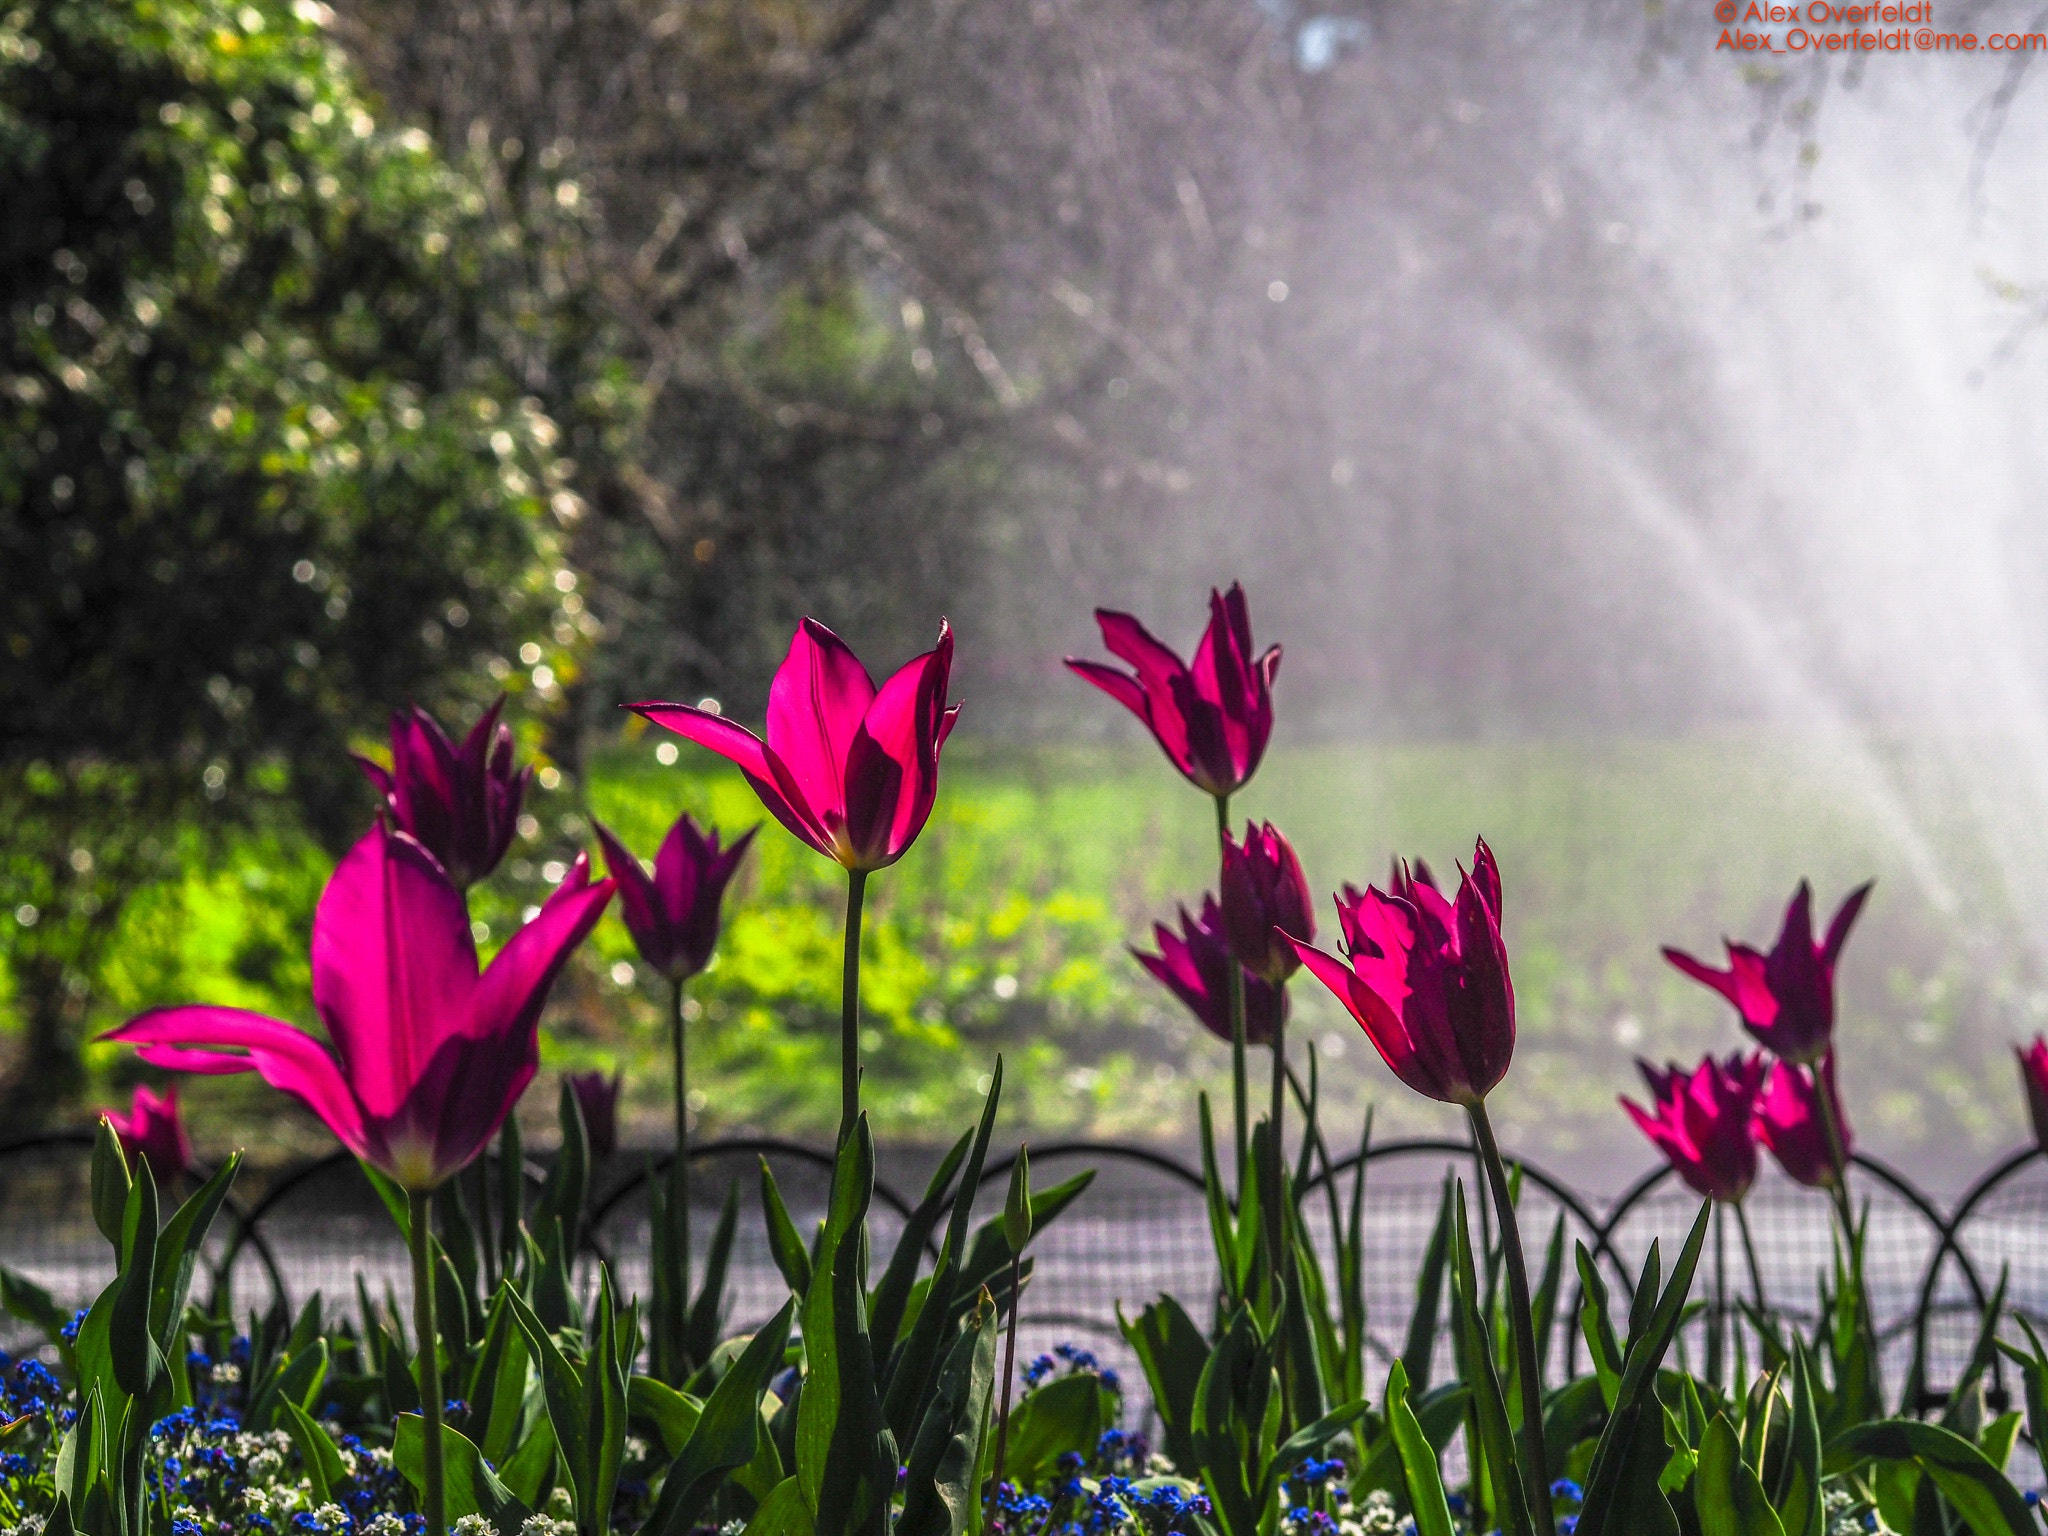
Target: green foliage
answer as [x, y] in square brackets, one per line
[286, 420]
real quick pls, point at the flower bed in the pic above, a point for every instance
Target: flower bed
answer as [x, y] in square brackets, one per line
[884, 1394]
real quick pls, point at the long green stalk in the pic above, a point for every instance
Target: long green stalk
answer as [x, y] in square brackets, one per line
[1756, 1271]
[849, 1008]
[678, 1256]
[1239, 1091]
[1521, 1318]
[420, 1239]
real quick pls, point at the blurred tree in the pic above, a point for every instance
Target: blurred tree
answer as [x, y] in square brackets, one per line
[290, 427]
[913, 286]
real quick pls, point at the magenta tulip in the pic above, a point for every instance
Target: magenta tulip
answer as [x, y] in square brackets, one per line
[152, 1130]
[673, 914]
[1194, 965]
[850, 769]
[2034, 1079]
[1792, 1123]
[428, 1056]
[1428, 981]
[1786, 998]
[1265, 898]
[1701, 1121]
[460, 803]
[597, 1097]
[1213, 718]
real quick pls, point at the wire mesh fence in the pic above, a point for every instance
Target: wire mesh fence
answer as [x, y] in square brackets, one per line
[1140, 1230]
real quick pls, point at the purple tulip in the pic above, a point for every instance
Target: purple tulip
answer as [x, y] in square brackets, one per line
[1786, 998]
[597, 1096]
[428, 1056]
[460, 803]
[2034, 1079]
[1212, 719]
[1265, 898]
[1701, 1121]
[1194, 965]
[850, 769]
[1427, 981]
[153, 1131]
[1791, 1123]
[673, 914]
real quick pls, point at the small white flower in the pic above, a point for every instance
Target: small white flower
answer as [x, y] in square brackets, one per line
[385, 1525]
[226, 1374]
[475, 1525]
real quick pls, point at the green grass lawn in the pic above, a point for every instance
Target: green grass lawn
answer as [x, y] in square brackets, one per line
[1004, 931]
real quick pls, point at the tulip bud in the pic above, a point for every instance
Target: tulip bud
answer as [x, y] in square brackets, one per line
[674, 913]
[1211, 718]
[1791, 1123]
[1702, 1121]
[1787, 998]
[2034, 1079]
[1017, 1204]
[1426, 978]
[1266, 901]
[597, 1096]
[1194, 965]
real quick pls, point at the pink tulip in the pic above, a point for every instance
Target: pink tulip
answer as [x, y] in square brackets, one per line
[1212, 718]
[673, 914]
[1194, 965]
[1786, 998]
[1791, 1123]
[1701, 1121]
[428, 1056]
[1265, 898]
[1428, 981]
[153, 1131]
[850, 769]
[597, 1096]
[460, 803]
[2034, 1079]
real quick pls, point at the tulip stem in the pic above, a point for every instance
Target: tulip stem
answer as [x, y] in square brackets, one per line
[1535, 1474]
[1009, 1377]
[1756, 1270]
[849, 1008]
[420, 1238]
[1234, 988]
[1838, 1150]
[678, 1256]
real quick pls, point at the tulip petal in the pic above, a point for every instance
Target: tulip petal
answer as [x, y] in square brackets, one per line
[764, 770]
[1158, 670]
[378, 775]
[816, 703]
[288, 1059]
[1485, 1033]
[394, 966]
[514, 988]
[424, 770]
[1380, 1021]
[1722, 982]
[1120, 686]
[892, 766]
[1843, 920]
[459, 1103]
[640, 904]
